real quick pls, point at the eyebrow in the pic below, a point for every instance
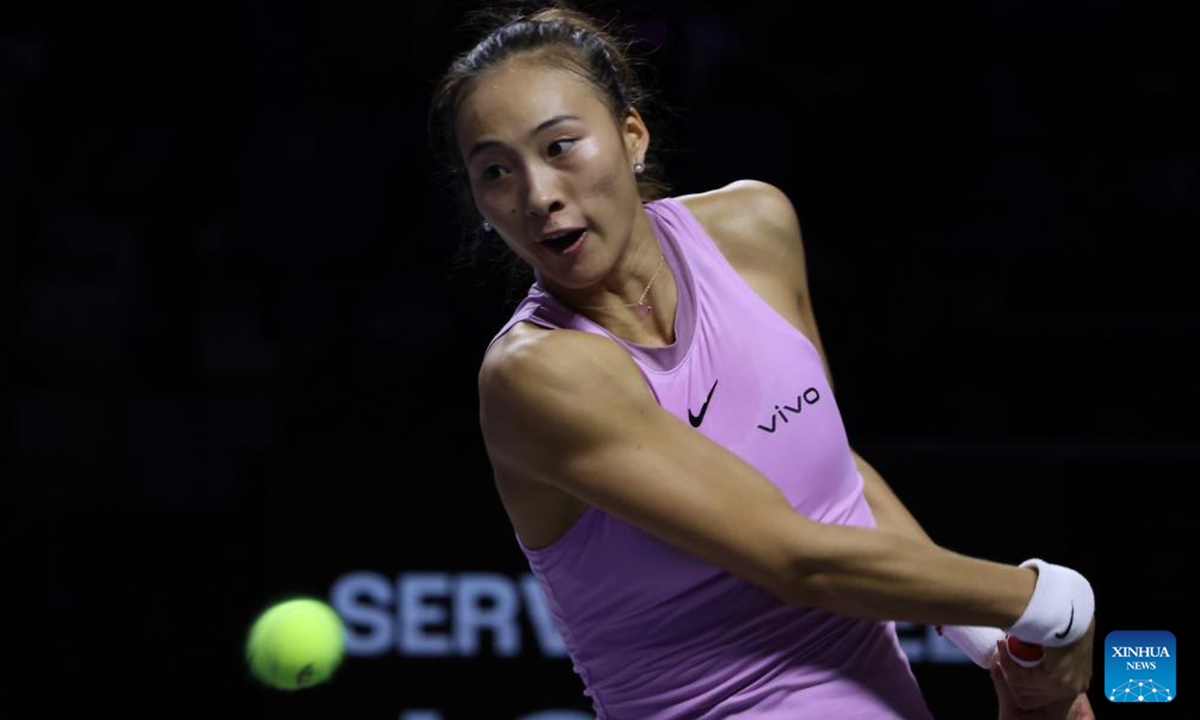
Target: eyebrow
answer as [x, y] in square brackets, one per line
[485, 144]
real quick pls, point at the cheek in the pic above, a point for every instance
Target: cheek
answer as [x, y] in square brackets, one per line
[490, 200]
[521, 252]
[477, 198]
[603, 176]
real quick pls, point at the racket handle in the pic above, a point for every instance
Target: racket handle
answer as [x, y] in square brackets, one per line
[1022, 653]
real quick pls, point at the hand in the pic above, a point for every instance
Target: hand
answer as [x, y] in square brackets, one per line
[1069, 708]
[1072, 665]
[1064, 673]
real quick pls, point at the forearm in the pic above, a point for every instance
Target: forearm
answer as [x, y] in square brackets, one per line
[978, 642]
[881, 575]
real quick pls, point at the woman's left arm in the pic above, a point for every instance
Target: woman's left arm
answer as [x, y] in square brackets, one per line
[776, 223]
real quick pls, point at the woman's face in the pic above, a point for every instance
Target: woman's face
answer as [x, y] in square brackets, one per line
[551, 170]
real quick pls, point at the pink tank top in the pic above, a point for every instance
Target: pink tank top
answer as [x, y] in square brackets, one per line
[657, 634]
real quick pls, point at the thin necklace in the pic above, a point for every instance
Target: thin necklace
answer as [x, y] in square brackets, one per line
[640, 307]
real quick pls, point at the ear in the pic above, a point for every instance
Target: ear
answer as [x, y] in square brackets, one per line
[636, 135]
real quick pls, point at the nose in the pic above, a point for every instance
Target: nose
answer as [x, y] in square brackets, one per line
[544, 195]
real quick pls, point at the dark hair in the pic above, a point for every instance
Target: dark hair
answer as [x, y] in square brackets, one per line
[562, 37]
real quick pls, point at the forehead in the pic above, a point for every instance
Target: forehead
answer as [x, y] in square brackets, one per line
[508, 102]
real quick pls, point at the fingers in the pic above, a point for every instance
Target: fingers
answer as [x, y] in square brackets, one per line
[1003, 694]
[1019, 681]
[1031, 687]
[1014, 671]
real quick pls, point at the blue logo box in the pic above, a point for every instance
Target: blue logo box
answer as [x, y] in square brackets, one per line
[1139, 666]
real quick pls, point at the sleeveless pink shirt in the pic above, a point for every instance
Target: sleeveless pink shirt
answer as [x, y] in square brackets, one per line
[657, 634]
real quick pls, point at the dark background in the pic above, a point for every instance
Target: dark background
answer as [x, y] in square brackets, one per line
[243, 363]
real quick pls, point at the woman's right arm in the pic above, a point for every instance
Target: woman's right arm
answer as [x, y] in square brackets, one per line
[571, 410]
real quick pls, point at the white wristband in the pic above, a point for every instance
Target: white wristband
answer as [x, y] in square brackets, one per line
[978, 643]
[1060, 611]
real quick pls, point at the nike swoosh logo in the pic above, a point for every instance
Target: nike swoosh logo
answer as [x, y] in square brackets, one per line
[695, 420]
[1070, 622]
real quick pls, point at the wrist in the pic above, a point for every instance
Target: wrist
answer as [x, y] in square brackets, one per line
[1060, 609]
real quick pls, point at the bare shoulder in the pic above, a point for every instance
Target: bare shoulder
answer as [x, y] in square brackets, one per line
[756, 227]
[538, 378]
[529, 359]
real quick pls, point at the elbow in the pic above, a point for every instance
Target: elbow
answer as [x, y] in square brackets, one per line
[804, 585]
[817, 564]
[808, 562]
[804, 577]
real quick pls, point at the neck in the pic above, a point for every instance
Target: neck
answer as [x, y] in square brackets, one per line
[636, 301]
[641, 307]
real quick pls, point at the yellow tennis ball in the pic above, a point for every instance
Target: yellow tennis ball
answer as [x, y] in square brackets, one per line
[295, 644]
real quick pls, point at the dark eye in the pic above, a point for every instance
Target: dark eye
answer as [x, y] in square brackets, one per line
[558, 147]
[492, 172]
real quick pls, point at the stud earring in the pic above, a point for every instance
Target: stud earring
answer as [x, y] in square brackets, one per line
[638, 168]
[487, 226]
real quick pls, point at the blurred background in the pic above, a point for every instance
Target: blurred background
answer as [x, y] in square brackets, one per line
[241, 356]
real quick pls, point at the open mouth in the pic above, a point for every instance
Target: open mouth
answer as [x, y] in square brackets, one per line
[564, 242]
